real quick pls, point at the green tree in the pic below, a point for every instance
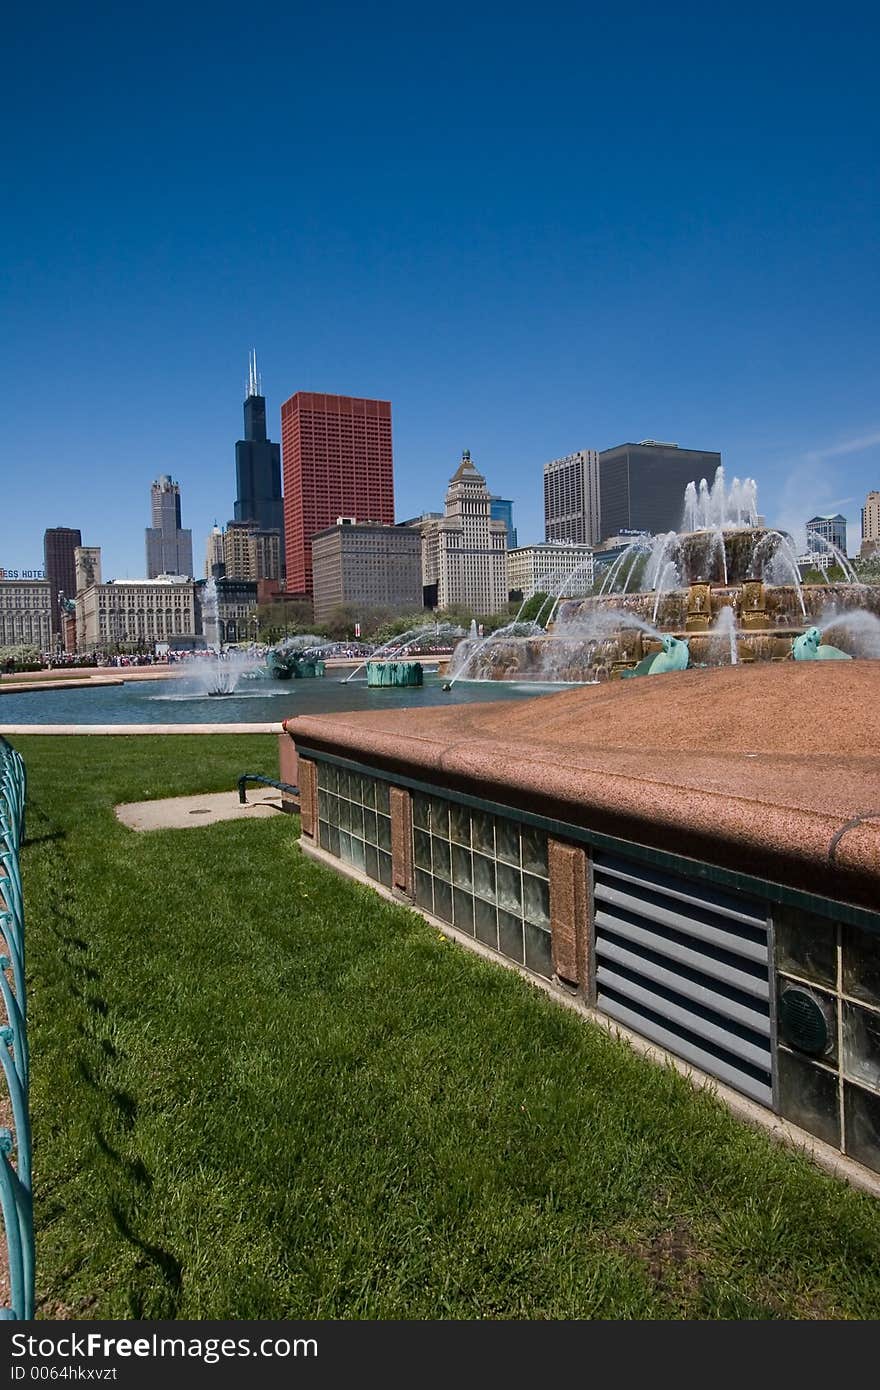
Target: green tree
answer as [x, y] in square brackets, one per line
[457, 614]
[395, 626]
[835, 575]
[19, 657]
[867, 568]
[538, 603]
[340, 624]
[285, 619]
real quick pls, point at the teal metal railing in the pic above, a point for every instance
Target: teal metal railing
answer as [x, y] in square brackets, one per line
[16, 1194]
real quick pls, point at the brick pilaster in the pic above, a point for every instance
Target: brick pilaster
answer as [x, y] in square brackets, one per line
[401, 840]
[288, 771]
[308, 797]
[569, 912]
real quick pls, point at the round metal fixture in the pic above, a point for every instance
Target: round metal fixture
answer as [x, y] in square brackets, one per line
[802, 1021]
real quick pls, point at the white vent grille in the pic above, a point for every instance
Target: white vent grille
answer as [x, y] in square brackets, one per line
[687, 967]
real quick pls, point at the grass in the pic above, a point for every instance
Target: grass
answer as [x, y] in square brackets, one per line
[260, 1091]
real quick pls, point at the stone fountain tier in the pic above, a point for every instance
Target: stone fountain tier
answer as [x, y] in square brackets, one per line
[560, 658]
[591, 639]
[728, 555]
[725, 555]
[755, 605]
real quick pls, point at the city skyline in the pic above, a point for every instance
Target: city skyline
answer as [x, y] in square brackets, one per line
[796, 517]
[618, 268]
[802, 482]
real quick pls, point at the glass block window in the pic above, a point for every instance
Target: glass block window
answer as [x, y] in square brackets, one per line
[354, 820]
[486, 875]
[831, 973]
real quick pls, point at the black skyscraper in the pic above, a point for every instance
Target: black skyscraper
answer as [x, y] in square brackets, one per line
[641, 486]
[59, 543]
[258, 465]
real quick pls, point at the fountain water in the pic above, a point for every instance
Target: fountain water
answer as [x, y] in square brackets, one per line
[211, 616]
[466, 653]
[666, 581]
[215, 674]
[728, 586]
[832, 556]
[774, 556]
[640, 545]
[859, 629]
[403, 644]
[718, 506]
[725, 627]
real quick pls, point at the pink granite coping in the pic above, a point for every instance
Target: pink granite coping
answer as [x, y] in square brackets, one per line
[769, 769]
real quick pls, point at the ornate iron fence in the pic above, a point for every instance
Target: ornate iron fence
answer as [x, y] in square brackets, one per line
[16, 1195]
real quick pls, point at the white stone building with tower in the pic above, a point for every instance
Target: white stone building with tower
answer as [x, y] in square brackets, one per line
[464, 553]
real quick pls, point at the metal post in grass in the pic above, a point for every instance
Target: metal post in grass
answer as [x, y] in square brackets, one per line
[18, 1218]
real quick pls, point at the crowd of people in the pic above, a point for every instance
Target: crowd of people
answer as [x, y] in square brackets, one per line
[341, 650]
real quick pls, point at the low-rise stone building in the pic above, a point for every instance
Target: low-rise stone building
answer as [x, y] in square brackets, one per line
[555, 567]
[26, 613]
[366, 564]
[131, 612]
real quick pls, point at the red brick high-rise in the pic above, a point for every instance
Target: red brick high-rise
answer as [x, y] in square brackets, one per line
[336, 460]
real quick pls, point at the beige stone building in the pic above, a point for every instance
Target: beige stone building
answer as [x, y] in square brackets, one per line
[551, 568]
[366, 564]
[871, 525]
[571, 498]
[87, 566]
[266, 549]
[25, 613]
[236, 610]
[245, 552]
[131, 612]
[464, 554]
[214, 552]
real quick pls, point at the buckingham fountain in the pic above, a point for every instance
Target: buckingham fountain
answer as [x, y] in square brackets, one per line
[722, 590]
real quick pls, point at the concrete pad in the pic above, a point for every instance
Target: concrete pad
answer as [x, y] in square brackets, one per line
[181, 812]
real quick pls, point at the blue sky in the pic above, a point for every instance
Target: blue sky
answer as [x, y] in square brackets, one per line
[533, 229]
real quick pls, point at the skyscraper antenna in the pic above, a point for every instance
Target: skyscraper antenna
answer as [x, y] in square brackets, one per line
[255, 386]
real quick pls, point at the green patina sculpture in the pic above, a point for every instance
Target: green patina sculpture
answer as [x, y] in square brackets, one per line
[394, 673]
[810, 647]
[675, 656]
[285, 666]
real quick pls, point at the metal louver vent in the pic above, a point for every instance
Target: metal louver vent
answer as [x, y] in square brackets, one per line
[687, 967]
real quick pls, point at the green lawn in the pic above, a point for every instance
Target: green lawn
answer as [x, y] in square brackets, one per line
[261, 1091]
